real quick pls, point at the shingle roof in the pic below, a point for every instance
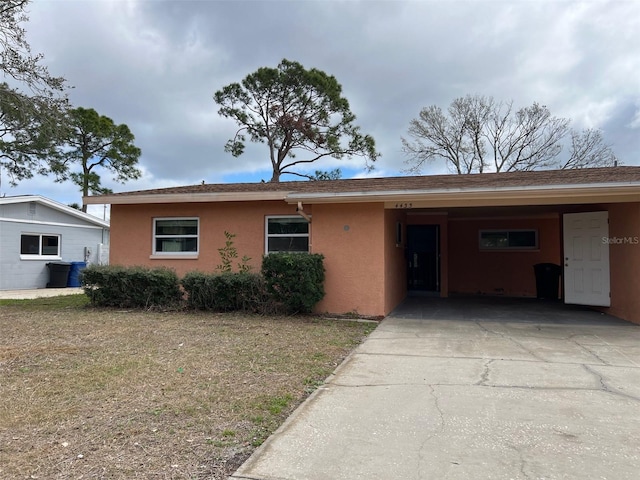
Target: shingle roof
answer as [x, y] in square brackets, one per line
[586, 176]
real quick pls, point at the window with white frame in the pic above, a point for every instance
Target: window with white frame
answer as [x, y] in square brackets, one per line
[509, 239]
[286, 234]
[175, 236]
[39, 245]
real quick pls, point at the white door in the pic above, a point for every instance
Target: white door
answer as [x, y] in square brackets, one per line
[586, 258]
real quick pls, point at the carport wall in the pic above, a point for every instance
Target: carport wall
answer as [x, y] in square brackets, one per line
[499, 272]
[465, 269]
[624, 260]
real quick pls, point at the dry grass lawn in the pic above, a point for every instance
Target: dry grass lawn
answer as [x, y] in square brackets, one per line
[88, 393]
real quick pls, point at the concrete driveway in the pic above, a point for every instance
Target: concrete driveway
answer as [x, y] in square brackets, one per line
[38, 293]
[471, 389]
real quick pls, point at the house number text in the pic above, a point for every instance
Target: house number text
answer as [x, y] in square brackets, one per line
[404, 205]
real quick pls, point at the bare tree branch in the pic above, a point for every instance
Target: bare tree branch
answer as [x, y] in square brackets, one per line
[588, 149]
[479, 133]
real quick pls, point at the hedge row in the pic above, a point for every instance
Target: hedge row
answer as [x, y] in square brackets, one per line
[131, 287]
[291, 283]
[226, 292]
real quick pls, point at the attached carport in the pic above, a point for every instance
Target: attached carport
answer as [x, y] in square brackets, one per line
[482, 235]
[492, 250]
[488, 241]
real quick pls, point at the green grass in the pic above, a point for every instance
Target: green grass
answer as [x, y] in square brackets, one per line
[74, 301]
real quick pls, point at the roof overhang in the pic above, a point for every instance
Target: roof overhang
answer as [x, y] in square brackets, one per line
[124, 199]
[431, 198]
[483, 197]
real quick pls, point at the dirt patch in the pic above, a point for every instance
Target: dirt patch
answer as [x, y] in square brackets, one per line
[112, 394]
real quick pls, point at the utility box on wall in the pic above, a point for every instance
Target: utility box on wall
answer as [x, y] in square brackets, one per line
[103, 254]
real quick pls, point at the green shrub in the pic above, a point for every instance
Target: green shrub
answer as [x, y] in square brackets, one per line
[294, 280]
[131, 287]
[226, 292]
[200, 290]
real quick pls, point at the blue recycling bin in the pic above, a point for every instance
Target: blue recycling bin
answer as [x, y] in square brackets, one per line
[74, 273]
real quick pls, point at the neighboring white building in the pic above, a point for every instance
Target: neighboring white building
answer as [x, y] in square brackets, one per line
[35, 231]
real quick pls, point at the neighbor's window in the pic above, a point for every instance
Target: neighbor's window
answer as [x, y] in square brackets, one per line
[175, 235]
[34, 245]
[508, 239]
[287, 234]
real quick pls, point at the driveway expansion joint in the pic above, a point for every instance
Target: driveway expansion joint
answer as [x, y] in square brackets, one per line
[617, 350]
[511, 339]
[604, 386]
[591, 352]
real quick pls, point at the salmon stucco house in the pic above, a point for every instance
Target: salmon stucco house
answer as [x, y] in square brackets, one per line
[385, 237]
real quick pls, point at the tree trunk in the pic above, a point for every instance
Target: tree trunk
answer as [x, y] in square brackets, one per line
[85, 174]
[275, 178]
[85, 191]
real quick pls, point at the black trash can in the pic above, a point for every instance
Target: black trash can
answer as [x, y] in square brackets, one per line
[58, 274]
[547, 280]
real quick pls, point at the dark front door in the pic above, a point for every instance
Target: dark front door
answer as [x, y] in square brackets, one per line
[423, 257]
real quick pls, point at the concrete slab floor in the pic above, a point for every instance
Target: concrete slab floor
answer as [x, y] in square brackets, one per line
[461, 391]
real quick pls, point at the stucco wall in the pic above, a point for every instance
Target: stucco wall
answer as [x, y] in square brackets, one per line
[350, 237]
[624, 257]
[132, 232]
[354, 256]
[395, 282]
[508, 273]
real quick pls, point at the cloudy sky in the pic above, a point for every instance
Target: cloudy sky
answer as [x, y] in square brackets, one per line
[155, 64]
